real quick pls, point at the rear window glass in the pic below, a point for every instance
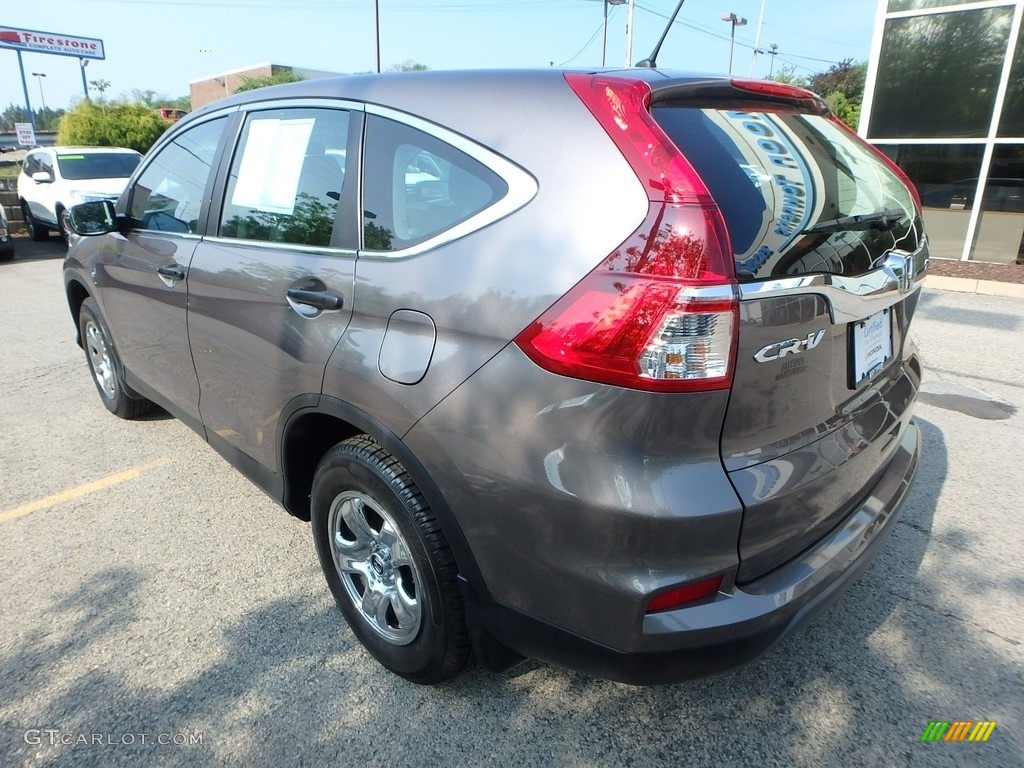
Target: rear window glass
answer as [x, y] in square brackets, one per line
[108, 165]
[777, 174]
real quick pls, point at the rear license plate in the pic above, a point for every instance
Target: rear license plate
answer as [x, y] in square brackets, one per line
[872, 345]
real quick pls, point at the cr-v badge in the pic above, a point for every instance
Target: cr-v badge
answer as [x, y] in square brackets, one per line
[788, 347]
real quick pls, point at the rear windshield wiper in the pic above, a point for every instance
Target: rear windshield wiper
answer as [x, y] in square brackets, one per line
[883, 220]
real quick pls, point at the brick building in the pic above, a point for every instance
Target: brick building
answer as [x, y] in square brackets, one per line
[213, 87]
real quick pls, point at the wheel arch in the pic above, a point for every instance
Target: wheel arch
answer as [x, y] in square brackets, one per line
[314, 424]
[77, 293]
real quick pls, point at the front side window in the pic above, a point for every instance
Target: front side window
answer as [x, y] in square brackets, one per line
[416, 186]
[168, 196]
[287, 177]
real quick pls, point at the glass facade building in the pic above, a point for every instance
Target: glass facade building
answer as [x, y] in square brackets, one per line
[945, 99]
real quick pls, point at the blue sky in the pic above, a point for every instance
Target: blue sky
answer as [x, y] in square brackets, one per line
[161, 44]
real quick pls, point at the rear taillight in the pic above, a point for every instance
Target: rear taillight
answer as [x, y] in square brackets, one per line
[889, 163]
[659, 313]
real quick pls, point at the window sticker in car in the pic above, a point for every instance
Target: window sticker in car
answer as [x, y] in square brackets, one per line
[268, 176]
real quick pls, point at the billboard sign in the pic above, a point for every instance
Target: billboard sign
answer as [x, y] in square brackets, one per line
[34, 41]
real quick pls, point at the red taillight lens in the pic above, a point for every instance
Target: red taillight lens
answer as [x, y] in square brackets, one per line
[621, 107]
[677, 597]
[659, 313]
[892, 166]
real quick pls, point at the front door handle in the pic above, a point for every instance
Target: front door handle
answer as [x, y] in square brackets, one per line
[174, 272]
[320, 299]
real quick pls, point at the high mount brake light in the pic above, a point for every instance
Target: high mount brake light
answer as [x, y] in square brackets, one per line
[660, 312]
[889, 162]
[779, 91]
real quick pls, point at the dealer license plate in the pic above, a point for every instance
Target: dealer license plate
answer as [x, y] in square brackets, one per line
[872, 345]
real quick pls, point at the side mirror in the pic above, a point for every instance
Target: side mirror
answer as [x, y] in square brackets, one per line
[94, 218]
[42, 177]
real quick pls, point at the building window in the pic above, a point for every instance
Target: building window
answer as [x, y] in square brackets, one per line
[946, 175]
[938, 74]
[1012, 121]
[1000, 233]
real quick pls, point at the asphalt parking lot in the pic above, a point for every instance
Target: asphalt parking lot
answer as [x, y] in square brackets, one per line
[158, 609]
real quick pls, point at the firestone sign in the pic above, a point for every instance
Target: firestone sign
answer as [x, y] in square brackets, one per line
[34, 41]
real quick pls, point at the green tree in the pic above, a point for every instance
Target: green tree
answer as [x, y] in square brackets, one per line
[278, 78]
[789, 76]
[135, 126]
[847, 77]
[408, 66]
[841, 86]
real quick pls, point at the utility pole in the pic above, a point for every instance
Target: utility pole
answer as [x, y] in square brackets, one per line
[736, 21]
[376, 29]
[757, 40]
[629, 34]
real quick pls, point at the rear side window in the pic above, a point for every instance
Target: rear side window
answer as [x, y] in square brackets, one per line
[416, 187]
[287, 177]
[777, 174]
[168, 196]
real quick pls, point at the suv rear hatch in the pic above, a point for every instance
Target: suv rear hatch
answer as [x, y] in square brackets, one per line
[828, 247]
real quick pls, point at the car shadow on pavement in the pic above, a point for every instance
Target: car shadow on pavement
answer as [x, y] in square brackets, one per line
[26, 249]
[287, 684]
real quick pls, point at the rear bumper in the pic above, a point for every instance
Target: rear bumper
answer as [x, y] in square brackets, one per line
[733, 628]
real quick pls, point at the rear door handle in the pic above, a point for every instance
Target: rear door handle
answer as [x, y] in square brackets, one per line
[320, 299]
[174, 272]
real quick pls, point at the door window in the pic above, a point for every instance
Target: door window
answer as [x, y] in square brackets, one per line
[168, 196]
[287, 177]
[416, 186]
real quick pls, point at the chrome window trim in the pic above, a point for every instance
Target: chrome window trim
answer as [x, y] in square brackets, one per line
[522, 187]
[323, 250]
[850, 298]
[301, 103]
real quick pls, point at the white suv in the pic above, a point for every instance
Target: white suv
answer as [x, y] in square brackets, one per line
[53, 179]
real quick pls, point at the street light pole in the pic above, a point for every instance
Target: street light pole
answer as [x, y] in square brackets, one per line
[604, 29]
[39, 76]
[773, 53]
[736, 21]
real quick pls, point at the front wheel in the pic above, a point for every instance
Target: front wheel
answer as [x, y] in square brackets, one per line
[387, 563]
[38, 232]
[104, 365]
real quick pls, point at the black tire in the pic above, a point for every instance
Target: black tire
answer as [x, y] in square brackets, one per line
[36, 231]
[359, 479]
[62, 224]
[104, 365]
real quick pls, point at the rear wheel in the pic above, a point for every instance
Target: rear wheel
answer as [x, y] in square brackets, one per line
[105, 367]
[387, 563]
[38, 232]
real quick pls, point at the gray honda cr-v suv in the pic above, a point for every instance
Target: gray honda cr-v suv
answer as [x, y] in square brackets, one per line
[614, 373]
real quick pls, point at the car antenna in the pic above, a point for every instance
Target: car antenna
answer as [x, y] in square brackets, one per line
[652, 61]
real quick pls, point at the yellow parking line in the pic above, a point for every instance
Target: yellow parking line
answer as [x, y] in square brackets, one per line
[80, 490]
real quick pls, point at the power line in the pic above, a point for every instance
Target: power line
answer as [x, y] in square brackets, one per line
[592, 38]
